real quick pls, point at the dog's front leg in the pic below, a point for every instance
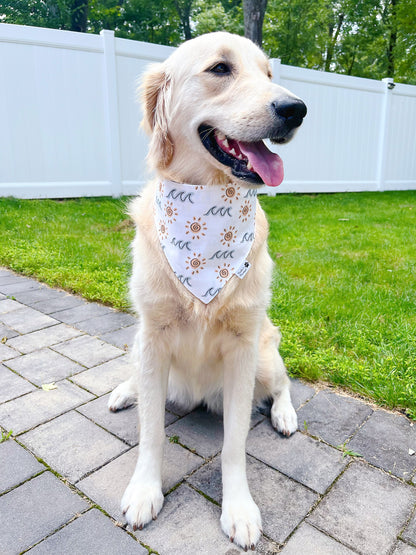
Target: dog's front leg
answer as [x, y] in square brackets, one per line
[240, 518]
[143, 498]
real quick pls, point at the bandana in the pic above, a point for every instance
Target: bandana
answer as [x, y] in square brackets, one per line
[206, 233]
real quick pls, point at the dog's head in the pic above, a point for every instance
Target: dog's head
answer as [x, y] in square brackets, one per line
[208, 108]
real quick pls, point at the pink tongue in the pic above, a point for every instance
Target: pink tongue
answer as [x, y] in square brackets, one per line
[268, 165]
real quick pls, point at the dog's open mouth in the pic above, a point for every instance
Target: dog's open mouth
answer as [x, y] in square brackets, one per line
[252, 162]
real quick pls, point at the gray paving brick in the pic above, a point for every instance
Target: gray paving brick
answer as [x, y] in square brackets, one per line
[11, 385]
[34, 296]
[7, 276]
[282, 502]
[87, 350]
[385, 440]
[44, 366]
[90, 533]
[6, 352]
[365, 509]
[404, 549]
[11, 283]
[123, 424]
[177, 409]
[123, 339]
[179, 525]
[106, 486]
[23, 284]
[307, 540]
[81, 312]
[26, 320]
[307, 461]
[17, 465]
[9, 305]
[409, 533]
[43, 338]
[106, 323]
[2, 296]
[73, 445]
[45, 295]
[300, 393]
[60, 301]
[39, 406]
[35, 509]
[105, 377]
[333, 418]
[7, 332]
[199, 430]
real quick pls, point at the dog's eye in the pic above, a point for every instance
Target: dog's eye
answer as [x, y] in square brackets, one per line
[221, 68]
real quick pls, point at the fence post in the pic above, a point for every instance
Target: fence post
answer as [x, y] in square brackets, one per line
[384, 123]
[276, 63]
[112, 112]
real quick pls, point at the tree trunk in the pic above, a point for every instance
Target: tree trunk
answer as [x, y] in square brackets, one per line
[79, 13]
[333, 41]
[392, 40]
[184, 11]
[254, 11]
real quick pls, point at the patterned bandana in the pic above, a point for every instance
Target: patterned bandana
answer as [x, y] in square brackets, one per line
[206, 233]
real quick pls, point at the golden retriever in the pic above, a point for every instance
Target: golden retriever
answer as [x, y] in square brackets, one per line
[207, 109]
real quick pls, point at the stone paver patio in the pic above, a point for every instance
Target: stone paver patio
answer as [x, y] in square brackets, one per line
[65, 466]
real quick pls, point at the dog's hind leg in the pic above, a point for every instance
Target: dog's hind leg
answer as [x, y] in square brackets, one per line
[273, 381]
[123, 395]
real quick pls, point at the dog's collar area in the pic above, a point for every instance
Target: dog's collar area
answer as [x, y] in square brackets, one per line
[249, 161]
[206, 233]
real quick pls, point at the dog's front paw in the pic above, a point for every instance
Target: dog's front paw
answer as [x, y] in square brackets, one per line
[284, 417]
[241, 521]
[141, 503]
[122, 397]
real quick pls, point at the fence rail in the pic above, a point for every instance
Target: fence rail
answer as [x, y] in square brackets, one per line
[69, 121]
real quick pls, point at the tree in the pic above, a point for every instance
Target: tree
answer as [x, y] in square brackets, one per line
[79, 15]
[254, 11]
[367, 38]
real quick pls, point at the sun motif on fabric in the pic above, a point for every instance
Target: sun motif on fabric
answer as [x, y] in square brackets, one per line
[163, 230]
[224, 272]
[196, 228]
[171, 212]
[195, 263]
[229, 236]
[245, 211]
[230, 193]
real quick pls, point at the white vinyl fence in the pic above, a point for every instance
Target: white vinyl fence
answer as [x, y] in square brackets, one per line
[69, 121]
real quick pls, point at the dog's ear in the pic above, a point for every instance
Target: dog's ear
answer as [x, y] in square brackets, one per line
[156, 90]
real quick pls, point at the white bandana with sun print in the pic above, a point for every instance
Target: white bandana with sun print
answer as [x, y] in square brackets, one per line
[206, 233]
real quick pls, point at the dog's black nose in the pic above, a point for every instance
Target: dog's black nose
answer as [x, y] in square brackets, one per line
[292, 110]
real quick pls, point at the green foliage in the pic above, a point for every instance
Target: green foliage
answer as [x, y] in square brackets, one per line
[5, 435]
[367, 38]
[218, 16]
[346, 36]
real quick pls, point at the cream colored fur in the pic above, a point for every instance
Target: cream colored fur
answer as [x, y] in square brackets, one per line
[225, 353]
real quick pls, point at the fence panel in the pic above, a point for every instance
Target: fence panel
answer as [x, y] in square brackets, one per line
[70, 121]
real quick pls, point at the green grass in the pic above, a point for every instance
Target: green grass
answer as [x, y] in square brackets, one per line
[344, 292]
[81, 245]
